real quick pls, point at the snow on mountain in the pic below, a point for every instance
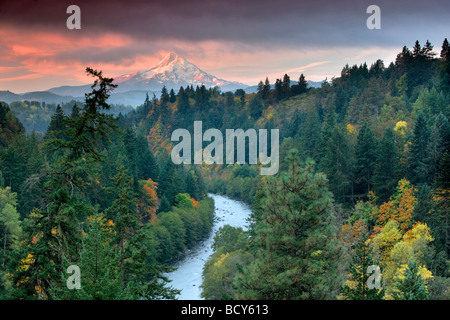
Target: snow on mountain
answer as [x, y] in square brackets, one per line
[173, 71]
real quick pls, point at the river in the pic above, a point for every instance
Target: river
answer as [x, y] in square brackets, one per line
[188, 276]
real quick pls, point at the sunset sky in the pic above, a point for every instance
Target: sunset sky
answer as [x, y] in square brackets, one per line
[237, 40]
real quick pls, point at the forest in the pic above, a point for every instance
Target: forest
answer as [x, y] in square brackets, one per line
[363, 181]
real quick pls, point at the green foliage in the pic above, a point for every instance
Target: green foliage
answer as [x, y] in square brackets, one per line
[386, 167]
[365, 153]
[356, 287]
[99, 263]
[223, 266]
[410, 286]
[293, 240]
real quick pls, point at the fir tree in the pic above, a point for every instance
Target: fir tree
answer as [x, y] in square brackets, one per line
[337, 164]
[302, 84]
[410, 285]
[362, 258]
[419, 160]
[293, 239]
[365, 159]
[99, 263]
[387, 166]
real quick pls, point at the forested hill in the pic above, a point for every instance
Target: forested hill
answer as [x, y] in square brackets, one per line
[35, 116]
[90, 193]
[365, 129]
[379, 133]
[363, 180]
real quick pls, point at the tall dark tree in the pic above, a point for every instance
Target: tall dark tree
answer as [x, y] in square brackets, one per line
[365, 159]
[266, 89]
[419, 158]
[411, 285]
[302, 84]
[286, 86]
[445, 51]
[53, 233]
[387, 166]
[293, 239]
[362, 259]
[337, 164]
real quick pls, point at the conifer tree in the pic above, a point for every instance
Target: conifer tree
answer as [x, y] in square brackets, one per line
[387, 166]
[53, 233]
[99, 265]
[293, 238]
[302, 84]
[362, 258]
[419, 160]
[365, 159]
[337, 164]
[410, 285]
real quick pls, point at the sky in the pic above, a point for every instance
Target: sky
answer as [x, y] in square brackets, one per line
[236, 40]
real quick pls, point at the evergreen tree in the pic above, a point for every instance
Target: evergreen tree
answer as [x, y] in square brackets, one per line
[419, 159]
[10, 225]
[172, 96]
[410, 285]
[337, 164]
[56, 126]
[164, 205]
[53, 233]
[293, 239]
[445, 52]
[286, 87]
[123, 213]
[99, 263]
[266, 90]
[255, 107]
[387, 166]
[365, 153]
[362, 258]
[302, 84]
[278, 90]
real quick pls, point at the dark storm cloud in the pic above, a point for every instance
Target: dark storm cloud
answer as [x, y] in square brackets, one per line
[282, 22]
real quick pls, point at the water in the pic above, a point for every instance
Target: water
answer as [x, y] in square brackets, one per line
[188, 276]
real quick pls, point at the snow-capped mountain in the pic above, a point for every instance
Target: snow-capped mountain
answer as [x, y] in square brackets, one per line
[173, 71]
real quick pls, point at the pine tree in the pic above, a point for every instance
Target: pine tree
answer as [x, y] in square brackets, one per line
[99, 263]
[362, 258]
[293, 239]
[266, 90]
[172, 96]
[337, 164]
[286, 87]
[387, 166]
[278, 90]
[410, 285]
[419, 160]
[56, 126]
[53, 233]
[365, 159]
[302, 84]
[123, 213]
[445, 52]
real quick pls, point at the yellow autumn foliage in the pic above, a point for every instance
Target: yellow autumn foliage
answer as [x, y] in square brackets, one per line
[401, 127]
[221, 259]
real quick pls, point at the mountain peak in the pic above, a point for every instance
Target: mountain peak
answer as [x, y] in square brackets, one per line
[172, 72]
[170, 58]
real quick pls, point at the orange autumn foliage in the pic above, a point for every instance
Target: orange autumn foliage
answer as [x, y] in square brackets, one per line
[195, 203]
[400, 207]
[148, 199]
